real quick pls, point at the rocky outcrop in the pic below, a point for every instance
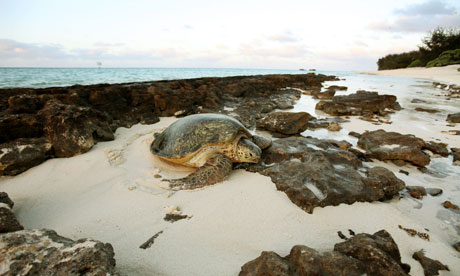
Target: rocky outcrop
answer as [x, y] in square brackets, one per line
[360, 103]
[454, 118]
[66, 121]
[363, 254]
[288, 123]
[21, 154]
[430, 267]
[393, 146]
[8, 221]
[44, 252]
[315, 172]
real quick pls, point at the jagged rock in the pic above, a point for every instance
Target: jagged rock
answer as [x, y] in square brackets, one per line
[324, 95]
[361, 103]
[416, 191]
[315, 172]
[8, 221]
[44, 252]
[22, 154]
[362, 254]
[285, 122]
[456, 155]
[430, 267]
[74, 129]
[438, 148]
[72, 119]
[427, 110]
[354, 134]
[333, 126]
[325, 122]
[457, 246]
[453, 118]
[384, 145]
[378, 252]
[5, 199]
[268, 264]
[337, 88]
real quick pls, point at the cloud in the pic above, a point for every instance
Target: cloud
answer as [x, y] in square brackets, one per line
[433, 7]
[10, 47]
[283, 37]
[421, 18]
[284, 51]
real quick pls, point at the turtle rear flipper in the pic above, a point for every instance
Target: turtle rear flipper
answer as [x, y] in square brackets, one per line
[212, 172]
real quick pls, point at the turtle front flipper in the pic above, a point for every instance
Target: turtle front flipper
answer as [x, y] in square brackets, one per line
[212, 172]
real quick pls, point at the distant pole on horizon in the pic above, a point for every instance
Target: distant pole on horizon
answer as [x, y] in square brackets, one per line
[99, 64]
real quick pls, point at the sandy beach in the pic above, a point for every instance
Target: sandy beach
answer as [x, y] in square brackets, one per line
[447, 74]
[110, 194]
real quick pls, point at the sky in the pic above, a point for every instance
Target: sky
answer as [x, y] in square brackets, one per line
[270, 34]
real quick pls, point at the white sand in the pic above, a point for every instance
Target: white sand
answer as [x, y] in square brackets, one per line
[447, 74]
[110, 194]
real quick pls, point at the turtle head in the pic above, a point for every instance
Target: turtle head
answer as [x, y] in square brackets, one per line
[247, 151]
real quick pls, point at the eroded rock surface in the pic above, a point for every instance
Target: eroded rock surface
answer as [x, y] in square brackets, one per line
[285, 122]
[363, 254]
[44, 252]
[360, 103]
[454, 118]
[21, 154]
[315, 172]
[8, 221]
[430, 267]
[66, 121]
[383, 145]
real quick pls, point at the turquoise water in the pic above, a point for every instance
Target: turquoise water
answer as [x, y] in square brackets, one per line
[48, 77]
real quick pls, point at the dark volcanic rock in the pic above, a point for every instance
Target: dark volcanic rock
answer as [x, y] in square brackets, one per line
[72, 119]
[321, 173]
[337, 88]
[427, 110]
[20, 155]
[74, 129]
[361, 103]
[43, 252]
[4, 198]
[378, 252]
[430, 267]
[416, 191]
[363, 254]
[456, 155]
[438, 148]
[285, 122]
[384, 145]
[454, 118]
[8, 221]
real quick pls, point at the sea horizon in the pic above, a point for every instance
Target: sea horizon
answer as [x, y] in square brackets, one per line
[41, 77]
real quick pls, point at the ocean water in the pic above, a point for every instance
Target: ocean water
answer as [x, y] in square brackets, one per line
[49, 77]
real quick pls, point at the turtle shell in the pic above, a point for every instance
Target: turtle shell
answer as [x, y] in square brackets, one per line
[186, 136]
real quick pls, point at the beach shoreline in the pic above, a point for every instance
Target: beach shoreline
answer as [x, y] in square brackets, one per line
[446, 74]
[110, 194]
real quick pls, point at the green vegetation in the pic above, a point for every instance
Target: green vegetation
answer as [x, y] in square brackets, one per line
[415, 63]
[446, 58]
[434, 45]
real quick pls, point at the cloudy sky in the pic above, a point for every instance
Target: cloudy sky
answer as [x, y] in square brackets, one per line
[290, 34]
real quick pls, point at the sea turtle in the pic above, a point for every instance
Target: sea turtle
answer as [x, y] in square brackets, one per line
[209, 142]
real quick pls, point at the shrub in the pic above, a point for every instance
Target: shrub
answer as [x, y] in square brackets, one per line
[395, 61]
[446, 58]
[416, 63]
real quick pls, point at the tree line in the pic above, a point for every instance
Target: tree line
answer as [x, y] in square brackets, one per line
[439, 48]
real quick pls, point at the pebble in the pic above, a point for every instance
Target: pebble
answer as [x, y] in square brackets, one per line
[434, 191]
